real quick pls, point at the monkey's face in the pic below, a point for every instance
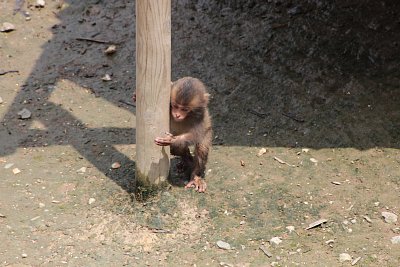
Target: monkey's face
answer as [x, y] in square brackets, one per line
[179, 112]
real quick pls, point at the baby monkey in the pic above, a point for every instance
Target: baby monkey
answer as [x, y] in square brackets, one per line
[190, 125]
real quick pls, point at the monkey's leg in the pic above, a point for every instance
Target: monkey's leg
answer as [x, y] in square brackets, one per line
[186, 158]
[200, 159]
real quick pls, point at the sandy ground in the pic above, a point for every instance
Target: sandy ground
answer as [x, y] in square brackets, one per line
[316, 84]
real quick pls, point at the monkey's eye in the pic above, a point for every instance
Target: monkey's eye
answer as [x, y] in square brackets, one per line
[185, 109]
[174, 106]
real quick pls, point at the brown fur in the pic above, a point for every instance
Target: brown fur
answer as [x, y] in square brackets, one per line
[196, 126]
[190, 126]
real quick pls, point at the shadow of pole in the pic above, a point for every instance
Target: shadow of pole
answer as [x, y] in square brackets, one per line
[62, 128]
[274, 83]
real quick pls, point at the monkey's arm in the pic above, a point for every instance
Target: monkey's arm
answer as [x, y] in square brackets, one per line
[178, 140]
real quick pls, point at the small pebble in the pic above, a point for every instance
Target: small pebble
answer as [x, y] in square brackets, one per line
[8, 165]
[1, 100]
[7, 27]
[389, 217]
[40, 3]
[82, 170]
[395, 240]
[91, 201]
[106, 78]
[290, 229]
[344, 257]
[24, 114]
[262, 152]
[110, 50]
[354, 262]
[16, 171]
[223, 245]
[116, 165]
[330, 242]
[275, 241]
[24, 255]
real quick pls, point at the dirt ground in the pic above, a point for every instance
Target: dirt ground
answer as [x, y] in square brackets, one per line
[317, 84]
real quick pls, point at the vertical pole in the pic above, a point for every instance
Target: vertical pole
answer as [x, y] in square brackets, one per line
[153, 85]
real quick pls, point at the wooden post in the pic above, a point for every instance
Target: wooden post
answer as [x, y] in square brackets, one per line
[153, 86]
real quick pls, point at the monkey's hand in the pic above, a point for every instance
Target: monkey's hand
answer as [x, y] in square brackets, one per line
[198, 183]
[165, 141]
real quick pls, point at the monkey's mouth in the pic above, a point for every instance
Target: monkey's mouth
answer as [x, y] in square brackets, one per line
[178, 119]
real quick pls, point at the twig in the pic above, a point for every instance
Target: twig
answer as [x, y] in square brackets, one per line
[316, 223]
[8, 71]
[283, 162]
[278, 25]
[293, 118]
[95, 40]
[258, 114]
[266, 251]
[159, 231]
[127, 103]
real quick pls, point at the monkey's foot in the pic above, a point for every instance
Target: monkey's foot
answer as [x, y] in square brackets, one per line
[198, 183]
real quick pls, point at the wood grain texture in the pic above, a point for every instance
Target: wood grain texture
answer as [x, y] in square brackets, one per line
[153, 83]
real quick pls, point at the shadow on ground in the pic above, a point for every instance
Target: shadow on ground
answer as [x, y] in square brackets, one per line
[312, 75]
